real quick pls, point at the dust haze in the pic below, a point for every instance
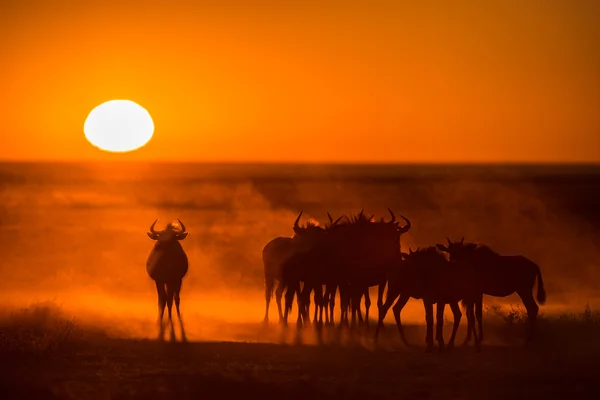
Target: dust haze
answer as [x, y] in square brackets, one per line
[77, 237]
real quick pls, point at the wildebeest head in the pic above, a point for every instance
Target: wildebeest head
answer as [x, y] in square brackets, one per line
[426, 257]
[172, 231]
[395, 225]
[309, 229]
[389, 232]
[458, 250]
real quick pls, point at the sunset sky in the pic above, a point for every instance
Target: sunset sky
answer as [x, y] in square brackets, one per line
[397, 81]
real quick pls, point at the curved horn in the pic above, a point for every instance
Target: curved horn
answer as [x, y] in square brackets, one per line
[393, 216]
[361, 213]
[371, 217]
[462, 240]
[182, 225]
[409, 250]
[297, 220]
[408, 225]
[337, 220]
[448, 239]
[330, 219]
[152, 226]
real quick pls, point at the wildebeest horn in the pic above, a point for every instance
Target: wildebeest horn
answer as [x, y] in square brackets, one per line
[393, 216]
[330, 219]
[462, 240]
[297, 220]
[406, 227]
[361, 213]
[182, 225]
[448, 239]
[337, 220]
[152, 226]
[409, 250]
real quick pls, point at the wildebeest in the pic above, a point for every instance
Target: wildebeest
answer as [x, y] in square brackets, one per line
[500, 276]
[356, 253]
[375, 247]
[167, 265]
[277, 252]
[426, 274]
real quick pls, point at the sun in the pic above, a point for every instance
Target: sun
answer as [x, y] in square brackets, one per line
[118, 126]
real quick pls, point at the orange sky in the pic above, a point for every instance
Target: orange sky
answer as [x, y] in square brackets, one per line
[399, 81]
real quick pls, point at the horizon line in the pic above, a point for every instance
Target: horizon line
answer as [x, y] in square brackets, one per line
[329, 163]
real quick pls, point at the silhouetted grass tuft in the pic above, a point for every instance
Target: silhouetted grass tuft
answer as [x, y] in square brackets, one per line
[38, 329]
[511, 325]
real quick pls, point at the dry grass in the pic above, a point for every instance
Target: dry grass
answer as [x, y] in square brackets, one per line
[48, 355]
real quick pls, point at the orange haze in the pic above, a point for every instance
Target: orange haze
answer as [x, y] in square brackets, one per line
[397, 81]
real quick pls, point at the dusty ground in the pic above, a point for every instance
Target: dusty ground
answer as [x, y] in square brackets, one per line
[47, 357]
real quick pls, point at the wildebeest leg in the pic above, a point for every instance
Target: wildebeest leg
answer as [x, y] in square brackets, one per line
[278, 296]
[304, 303]
[367, 306]
[170, 297]
[177, 300]
[391, 297]
[439, 325]
[269, 286]
[359, 316]
[397, 311]
[326, 296]
[354, 306]
[532, 312]
[162, 302]
[289, 298]
[479, 315]
[457, 316]
[318, 298]
[380, 290]
[429, 321]
[317, 302]
[332, 289]
[344, 303]
[471, 325]
[356, 294]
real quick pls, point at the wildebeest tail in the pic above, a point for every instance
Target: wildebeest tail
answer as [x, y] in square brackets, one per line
[541, 292]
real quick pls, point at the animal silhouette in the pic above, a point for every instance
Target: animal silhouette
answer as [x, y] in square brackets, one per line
[426, 274]
[500, 276]
[167, 264]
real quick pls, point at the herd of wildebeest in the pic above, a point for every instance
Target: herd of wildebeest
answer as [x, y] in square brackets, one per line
[352, 254]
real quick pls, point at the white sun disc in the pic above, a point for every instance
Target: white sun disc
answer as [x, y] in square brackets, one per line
[119, 126]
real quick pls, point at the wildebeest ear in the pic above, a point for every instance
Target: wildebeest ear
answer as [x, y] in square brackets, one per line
[441, 247]
[182, 236]
[152, 235]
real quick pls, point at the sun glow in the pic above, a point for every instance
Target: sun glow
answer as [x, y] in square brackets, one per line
[119, 126]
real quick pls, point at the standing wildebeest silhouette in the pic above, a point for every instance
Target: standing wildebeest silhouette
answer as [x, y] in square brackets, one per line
[277, 252]
[500, 276]
[426, 274]
[355, 254]
[370, 248]
[167, 265]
